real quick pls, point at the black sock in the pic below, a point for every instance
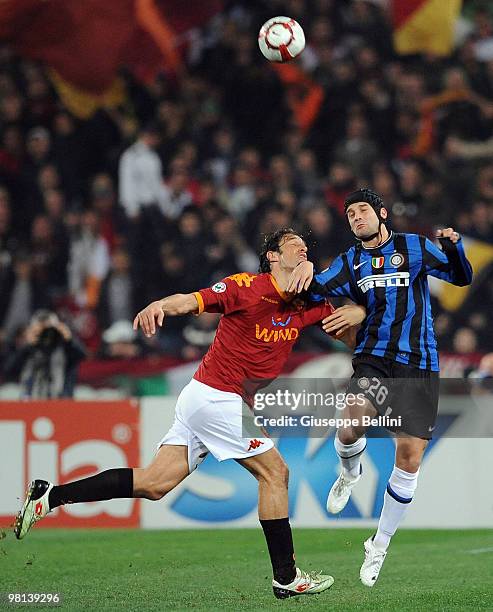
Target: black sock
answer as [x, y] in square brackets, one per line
[109, 484]
[280, 544]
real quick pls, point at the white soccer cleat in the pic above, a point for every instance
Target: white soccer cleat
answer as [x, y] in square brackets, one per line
[35, 507]
[340, 493]
[374, 558]
[305, 583]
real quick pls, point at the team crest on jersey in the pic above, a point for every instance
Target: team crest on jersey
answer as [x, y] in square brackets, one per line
[219, 287]
[396, 260]
[377, 262]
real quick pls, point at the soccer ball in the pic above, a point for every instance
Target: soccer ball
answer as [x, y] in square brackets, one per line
[281, 39]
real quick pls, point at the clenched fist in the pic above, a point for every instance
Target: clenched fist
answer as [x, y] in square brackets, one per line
[448, 233]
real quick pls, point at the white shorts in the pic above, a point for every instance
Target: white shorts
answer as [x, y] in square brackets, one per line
[207, 419]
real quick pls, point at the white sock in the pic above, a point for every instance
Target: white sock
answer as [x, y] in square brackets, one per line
[397, 497]
[350, 455]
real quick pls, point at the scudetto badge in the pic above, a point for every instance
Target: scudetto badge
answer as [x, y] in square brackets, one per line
[219, 287]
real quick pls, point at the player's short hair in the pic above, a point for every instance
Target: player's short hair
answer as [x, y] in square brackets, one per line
[272, 242]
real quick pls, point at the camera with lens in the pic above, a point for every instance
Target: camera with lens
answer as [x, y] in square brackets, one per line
[49, 337]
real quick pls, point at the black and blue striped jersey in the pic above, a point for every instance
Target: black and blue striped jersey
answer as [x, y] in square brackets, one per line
[391, 282]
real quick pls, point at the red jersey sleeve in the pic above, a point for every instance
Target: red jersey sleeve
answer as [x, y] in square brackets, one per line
[316, 311]
[226, 296]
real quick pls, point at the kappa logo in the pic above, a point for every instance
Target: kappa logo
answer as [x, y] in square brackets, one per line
[243, 279]
[254, 444]
[393, 279]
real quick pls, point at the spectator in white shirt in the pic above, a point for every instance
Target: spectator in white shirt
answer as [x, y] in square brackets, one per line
[140, 174]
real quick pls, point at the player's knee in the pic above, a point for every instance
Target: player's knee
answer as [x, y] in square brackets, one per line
[276, 474]
[409, 460]
[284, 473]
[347, 435]
[155, 491]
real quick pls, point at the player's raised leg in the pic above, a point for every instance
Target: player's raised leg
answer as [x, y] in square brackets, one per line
[397, 497]
[272, 475]
[168, 468]
[350, 443]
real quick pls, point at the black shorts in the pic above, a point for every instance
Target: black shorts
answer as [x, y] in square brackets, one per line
[397, 390]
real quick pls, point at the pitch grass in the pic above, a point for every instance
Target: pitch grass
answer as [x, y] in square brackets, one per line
[229, 570]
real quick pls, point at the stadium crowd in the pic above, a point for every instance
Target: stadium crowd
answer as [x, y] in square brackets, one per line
[173, 190]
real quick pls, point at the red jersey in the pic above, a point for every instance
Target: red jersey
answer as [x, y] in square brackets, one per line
[256, 333]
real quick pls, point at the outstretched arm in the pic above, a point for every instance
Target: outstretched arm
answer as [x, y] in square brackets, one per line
[174, 305]
[450, 263]
[301, 277]
[335, 281]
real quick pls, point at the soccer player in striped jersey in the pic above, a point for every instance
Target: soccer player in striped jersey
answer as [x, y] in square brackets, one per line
[395, 360]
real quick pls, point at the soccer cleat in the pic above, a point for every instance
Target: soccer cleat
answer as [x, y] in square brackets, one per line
[374, 558]
[35, 507]
[341, 492]
[305, 583]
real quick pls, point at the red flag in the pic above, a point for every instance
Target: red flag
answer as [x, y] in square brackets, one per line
[85, 42]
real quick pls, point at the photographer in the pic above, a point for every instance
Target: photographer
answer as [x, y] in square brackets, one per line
[47, 364]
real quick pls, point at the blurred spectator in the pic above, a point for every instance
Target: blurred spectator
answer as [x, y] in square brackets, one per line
[341, 181]
[9, 244]
[465, 341]
[140, 174]
[120, 341]
[324, 234]
[241, 198]
[198, 335]
[38, 149]
[307, 181]
[118, 301]
[49, 254]
[68, 150]
[357, 150]
[176, 196]
[89, 261]
[26, 295]
[46, 364]
[104, 202]
[227, 251]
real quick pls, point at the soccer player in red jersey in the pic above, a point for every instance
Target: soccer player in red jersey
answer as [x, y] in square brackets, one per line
[255, 336]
